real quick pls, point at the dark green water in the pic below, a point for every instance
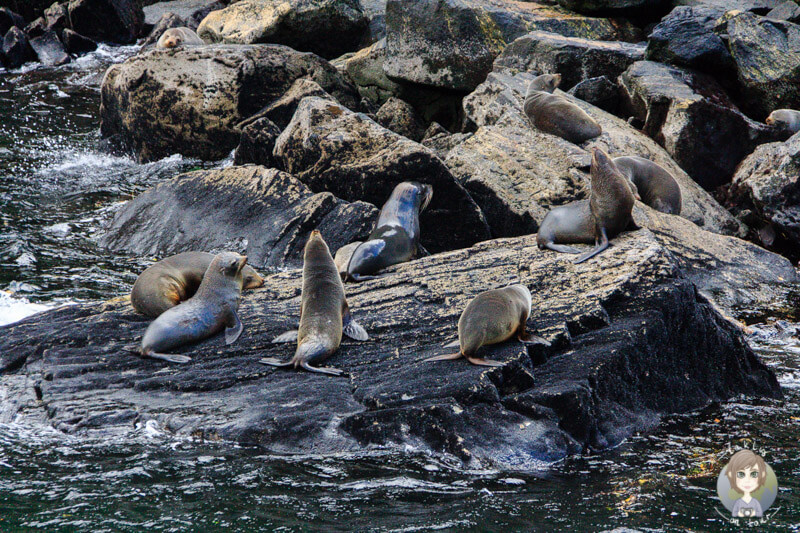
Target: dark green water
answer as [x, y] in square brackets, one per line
[56, 190]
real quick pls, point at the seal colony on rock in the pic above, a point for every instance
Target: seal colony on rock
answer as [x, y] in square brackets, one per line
[786, 119]
[324, 313]
[554, 114]
[212, 309]
[606, 213]
[175, 279]
[395, 238]
[652, 183]
[174, 37]
[492, 317]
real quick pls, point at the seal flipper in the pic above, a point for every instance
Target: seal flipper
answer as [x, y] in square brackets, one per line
[561, 248]
[445, 357]
[484, 362]
[289, 336]
[350, 327]
[453, 344]
[323, 370]
[233, 331]
[359, 277]
[168, 357]
[600, 247]
[271, 361]
[533, 339]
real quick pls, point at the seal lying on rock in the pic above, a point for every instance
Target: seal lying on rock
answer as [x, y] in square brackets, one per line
[786, 119]
[605, 214]
[491, 317]
[554, 114]
[175, 279]
[175, 37]
[324, 314]
[212, 308]
[395, 238]
[652, 183]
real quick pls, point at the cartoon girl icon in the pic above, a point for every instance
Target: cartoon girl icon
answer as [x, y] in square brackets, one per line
[747, 472]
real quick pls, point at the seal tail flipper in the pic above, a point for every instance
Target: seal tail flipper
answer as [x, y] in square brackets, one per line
[561, 248]
[350, 327]
[453, 344]
[484, 362]
[322, 370]
[446, 357]
[591, 253]
[169, 357]
[360, 277]
[233, 331]
[289, 336]
[271, 361]
[527, 338]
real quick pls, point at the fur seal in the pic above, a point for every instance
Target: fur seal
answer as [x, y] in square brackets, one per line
[395, 238]
[343, 255]
[324, 314]
[786, 119]
[606, 213]
[554, 114]
[652, 183]
[175, 279]
[175, 37]
[491, 317]
[212, 308]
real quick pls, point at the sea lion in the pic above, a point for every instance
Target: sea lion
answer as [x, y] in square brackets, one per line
[175, 279]
[554, 114]
[786, 119]
[654, 185]
[324, 314]
[606, 213]
[175, 37]
[343, 255]
[212, 308]
[395, 238]
[491, 317]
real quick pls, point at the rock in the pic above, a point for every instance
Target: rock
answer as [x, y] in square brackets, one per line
[257, 143]
[17, 49]
[452, 43]
[27, 9]
[600, 92]
[262, 213]
[76, 43]
[767, 56]
[375, 11]
[9, 19]
[576, 59]
[281, 111]
[691, 116]
[365, 69]
[37, 28]
[57, 18]
[594, 6]
[191, 11]
[330, 148]
[49, 49]
[442, 143]
[167, 21]
[328, 28]
[686, 38]
[633, 344]
[761, 7]
[159, 103]
[788, 11]
[492, 166]
[116, 21]
[400, 117]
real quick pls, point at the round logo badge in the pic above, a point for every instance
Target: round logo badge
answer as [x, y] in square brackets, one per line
[747, 486]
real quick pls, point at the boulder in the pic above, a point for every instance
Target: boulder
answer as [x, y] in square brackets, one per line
[326, 27]
[761, 7]
[57, 18]
[191, 100]
[691, 116]
[281, 111]
[633, 343]
[330, 148]
[576, 59]
[375, 11]
[262, 213]
[594, 6]
[788, 11]
[400, 117]
[167, 21]
[16, 48]
[365, 70]
[49, 50]
[27, 9]
[452, 43]
[9, 19]
[116, 21]
[75, 43]
[191, 11]
[257, 143]
[600, 92]
[490, 164]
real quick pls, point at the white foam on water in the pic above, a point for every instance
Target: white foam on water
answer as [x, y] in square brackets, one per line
[14, 309]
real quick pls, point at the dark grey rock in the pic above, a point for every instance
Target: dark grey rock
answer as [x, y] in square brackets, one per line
[401, 118]
[49, 49]
[788, 11]
[16, 48]
[375, 11]
[281, 111]
[600, 92]
[76, 43]
[604, 6]
[116, 21]
[9, 19]
[57, 18]
[27, 9]
[257, 143]
[188, 10]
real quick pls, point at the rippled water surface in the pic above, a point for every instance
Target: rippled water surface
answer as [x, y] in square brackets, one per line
[57, 186]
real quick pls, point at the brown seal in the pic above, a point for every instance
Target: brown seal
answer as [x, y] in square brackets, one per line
[653, 184]
[786, 119]
[324, 314]
[175, 279]
[175, 37]
[491, 317]
[606, 213]
[554, 114]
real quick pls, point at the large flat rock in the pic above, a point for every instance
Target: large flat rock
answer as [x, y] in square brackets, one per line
[632, 339]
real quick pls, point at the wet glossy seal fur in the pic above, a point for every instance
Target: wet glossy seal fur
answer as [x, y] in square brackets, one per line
[180, 36]
[554, 114]
[654, 185]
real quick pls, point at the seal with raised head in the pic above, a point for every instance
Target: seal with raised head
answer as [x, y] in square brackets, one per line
[212, 309]
[175, 279]
[180, 36]
[652, 183]
[324, 313]
[491, 317]
[395, 238]
[606, 213]
[786, 119]
[554, 114]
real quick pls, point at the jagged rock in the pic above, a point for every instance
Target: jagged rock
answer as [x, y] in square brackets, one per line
[257, 143]
[452, 43]
[37, 28]
[594, 6]
[16, 48]
[49, 49]
[400, 117]
[576, 59]
[762, 7]
[493, 169]
[167, 21]
[787, 10]
[330, 148]
[262, 213]
[326, 27]
[365, 69]
[162, 102]
[633, 343]
[57, 18]
[117, 21]
[27, 9]
[375, 11]
[191, 11]
[76, 43]
[9, 19]
[767, 56]
[691, 116]
[600, 92]
[281, 111]
[441, 141]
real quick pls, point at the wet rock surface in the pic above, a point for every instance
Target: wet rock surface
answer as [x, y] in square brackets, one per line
[117, 21]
